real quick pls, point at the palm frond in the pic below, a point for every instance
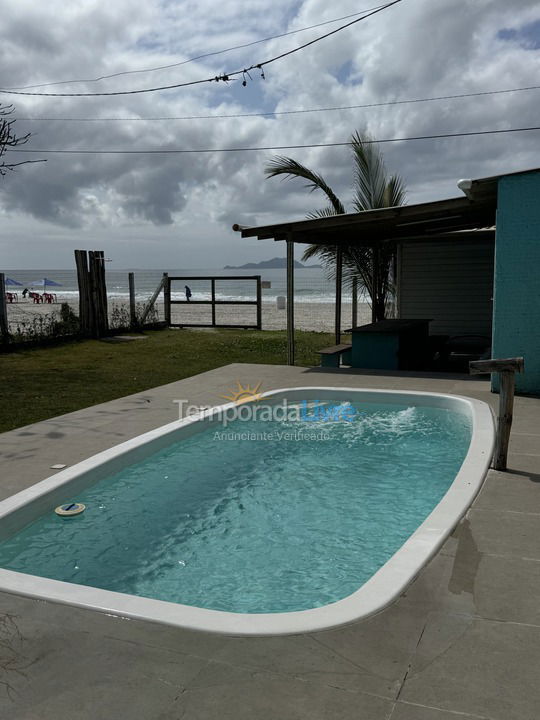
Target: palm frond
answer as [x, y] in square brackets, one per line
[326, 253]
[310, 252]
[369, 174]
[281, 165]
[327, 211]
[395, 192]
[373, 189]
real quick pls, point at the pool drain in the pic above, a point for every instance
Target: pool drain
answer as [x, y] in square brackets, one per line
[70, 509]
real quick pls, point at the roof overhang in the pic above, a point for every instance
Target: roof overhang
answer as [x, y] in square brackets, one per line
[372, 227]
[483, 188]
[460, 218]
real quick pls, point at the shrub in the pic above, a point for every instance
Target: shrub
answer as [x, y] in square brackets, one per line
[120, 318]
[36, 327]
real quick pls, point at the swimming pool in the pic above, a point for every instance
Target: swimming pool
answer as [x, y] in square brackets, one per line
[262, 527]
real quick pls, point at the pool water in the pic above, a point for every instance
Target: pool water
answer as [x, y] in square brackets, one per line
[240, 521]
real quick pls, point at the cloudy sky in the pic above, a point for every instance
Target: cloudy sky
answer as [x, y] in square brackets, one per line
[174, 211]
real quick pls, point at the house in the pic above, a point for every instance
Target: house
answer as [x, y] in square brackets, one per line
[471, 264]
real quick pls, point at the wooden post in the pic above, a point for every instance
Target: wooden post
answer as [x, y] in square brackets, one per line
[504, 421]
[374, 282]
[339, 275]
[93, 291]
[93, 316]
[102, 293]
[167, 299]
[132, 304]
[259, 303]
[354, 319]
[4, 327]
[213, 292]
[397, 280]
[506, 369]
[150, 304]
[290, 300]
[98, 293]
[81, 262]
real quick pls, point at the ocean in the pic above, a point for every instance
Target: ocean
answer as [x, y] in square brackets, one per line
[311, 284]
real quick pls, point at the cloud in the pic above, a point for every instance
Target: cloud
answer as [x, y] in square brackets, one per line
[139, 205]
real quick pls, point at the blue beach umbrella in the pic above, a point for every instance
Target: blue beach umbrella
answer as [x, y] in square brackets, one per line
[45, 282]
[10, 281]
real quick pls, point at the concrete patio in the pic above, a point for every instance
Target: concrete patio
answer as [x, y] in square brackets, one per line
[462, 642]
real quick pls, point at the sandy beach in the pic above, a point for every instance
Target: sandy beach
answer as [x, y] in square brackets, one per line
[317, 317]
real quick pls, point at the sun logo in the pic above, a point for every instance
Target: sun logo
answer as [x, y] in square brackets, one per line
[243, 394]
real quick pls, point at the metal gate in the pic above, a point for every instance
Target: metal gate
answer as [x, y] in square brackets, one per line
[212, 279]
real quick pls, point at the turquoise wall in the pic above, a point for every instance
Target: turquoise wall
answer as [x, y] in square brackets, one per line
[516, 302]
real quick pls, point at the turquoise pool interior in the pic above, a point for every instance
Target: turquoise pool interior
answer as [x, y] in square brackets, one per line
[228, 519]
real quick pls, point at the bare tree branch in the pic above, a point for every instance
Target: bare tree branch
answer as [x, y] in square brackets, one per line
[9, 139]
[5, 167]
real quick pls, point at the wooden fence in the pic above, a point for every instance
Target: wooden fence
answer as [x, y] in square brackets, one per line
[4, 328]
[93, 316]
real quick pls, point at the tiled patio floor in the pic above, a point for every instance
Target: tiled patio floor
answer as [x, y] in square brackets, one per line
[462, 642]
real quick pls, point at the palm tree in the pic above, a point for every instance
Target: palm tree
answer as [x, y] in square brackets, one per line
[372, 189]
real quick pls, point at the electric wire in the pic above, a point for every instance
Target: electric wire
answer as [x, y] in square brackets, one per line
[284, 112]
[173, 151]
[197, 57]
[223, 77]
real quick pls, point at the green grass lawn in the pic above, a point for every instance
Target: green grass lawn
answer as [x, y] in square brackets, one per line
[43, 382]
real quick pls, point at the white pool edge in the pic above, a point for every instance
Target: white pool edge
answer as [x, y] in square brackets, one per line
[385, 586]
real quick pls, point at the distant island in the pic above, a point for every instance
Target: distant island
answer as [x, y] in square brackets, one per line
[274, 263]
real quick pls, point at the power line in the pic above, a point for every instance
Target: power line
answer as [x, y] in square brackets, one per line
[172, 151]
[224, 77]
[287, 112]
[198, 57]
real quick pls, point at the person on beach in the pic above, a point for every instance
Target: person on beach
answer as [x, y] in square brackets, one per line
[25, 293]
[188, 293]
